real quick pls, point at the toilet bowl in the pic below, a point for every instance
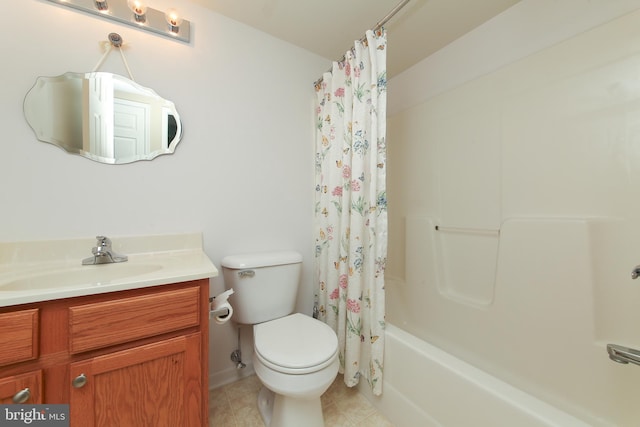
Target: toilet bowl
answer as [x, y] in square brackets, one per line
[295, 356]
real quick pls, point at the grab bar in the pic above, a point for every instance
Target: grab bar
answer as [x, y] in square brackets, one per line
[466, 230]
[621, 354]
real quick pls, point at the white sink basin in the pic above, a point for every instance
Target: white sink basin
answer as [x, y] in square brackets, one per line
[52, 269]
[86, 275]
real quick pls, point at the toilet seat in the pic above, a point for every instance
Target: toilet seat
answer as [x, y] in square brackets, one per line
[295, 344]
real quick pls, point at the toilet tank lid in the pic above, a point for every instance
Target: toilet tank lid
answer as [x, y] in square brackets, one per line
[261, 259]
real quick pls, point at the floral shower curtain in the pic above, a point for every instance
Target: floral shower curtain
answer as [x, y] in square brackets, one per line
[351, 207]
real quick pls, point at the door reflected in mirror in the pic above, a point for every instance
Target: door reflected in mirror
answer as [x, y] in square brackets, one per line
[102, 116]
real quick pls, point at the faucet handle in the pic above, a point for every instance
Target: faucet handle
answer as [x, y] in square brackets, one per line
[103, 241]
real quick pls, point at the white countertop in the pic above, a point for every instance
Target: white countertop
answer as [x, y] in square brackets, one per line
[47, 270]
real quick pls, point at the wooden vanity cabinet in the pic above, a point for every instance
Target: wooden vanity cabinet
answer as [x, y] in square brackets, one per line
[130, 358]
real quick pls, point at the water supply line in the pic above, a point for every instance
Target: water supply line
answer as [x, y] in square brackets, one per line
[236, 355]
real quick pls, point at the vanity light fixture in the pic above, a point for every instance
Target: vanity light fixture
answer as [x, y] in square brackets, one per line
[174, 20]
[137, 14]
[101, 5]
[139, 10]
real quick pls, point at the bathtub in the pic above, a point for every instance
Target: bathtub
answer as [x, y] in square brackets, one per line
[425, 386]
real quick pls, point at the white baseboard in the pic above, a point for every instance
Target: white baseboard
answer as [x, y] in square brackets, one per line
[230, 375]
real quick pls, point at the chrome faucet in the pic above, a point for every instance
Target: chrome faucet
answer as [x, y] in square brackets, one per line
[624, 355]
[103, 254]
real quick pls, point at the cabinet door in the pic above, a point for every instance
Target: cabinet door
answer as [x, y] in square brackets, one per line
[19, 332]
[25, 387]
[157, 384]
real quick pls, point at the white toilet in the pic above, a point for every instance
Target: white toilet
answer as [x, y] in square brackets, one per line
[295, 356]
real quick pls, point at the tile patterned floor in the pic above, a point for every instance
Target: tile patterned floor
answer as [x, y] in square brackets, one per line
[235, 405]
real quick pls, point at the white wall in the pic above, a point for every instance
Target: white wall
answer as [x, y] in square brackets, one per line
[242, 175]
[528, 125]
[521, 30]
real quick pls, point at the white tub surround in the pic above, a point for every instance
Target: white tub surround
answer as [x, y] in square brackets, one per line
[514, 226]
[46, 270]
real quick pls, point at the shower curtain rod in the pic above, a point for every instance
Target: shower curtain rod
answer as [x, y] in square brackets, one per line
[379, 25]
[390, 15]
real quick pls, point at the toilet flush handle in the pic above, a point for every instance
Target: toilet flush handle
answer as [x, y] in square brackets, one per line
[246, 274]
[635, 273]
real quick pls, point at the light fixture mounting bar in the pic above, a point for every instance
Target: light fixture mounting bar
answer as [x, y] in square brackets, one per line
[118, 11]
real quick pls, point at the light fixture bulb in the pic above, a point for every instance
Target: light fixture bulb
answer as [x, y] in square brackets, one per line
[101, 5]
[174, 20]
[139, 10]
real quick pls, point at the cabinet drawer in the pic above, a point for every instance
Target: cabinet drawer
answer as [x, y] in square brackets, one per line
[121, 320]
[19, 332]
[28, 384]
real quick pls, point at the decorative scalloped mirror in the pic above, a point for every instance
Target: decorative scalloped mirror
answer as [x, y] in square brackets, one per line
[102, 116]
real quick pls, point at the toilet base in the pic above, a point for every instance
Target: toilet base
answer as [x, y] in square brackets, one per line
[282, 411]
[265, 404]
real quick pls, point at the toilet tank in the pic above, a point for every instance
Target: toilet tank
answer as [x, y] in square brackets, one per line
[265, 284]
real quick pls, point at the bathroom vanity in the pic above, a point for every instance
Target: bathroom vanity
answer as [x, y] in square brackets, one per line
[132, 350]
